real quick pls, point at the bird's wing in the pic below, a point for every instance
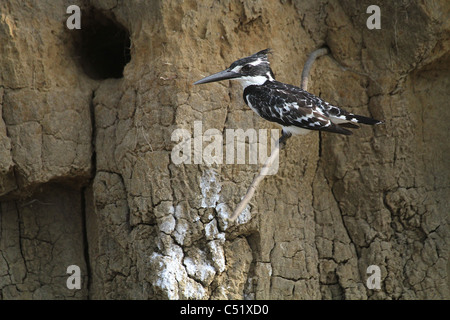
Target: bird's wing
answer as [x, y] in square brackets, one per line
[290, 106]
[335, 114]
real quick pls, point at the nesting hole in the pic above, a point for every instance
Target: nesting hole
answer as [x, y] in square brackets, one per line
[102, 45]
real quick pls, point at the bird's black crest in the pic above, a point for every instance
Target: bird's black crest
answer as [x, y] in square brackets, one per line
[263, 53]
[259, 55]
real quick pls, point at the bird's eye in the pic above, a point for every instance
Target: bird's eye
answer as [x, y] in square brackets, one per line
[246, 68]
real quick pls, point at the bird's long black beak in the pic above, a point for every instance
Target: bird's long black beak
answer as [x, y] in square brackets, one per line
[222, 75]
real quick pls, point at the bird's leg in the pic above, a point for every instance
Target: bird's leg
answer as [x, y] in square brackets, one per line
[284, 136]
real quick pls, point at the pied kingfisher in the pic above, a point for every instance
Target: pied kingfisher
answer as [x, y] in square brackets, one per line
[296, 110]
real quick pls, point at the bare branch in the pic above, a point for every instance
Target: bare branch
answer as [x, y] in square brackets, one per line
[269, 162]
[307, 68]
[251, 190]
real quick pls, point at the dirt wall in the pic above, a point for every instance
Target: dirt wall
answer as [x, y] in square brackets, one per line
[87, 177]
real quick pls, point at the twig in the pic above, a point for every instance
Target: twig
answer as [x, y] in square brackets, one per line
[269, 162]
[307, 68]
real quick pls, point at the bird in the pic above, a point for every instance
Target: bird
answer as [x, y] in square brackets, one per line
[297, 111]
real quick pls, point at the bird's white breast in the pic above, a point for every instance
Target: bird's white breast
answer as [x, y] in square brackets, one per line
[296, 130]
[251, 106]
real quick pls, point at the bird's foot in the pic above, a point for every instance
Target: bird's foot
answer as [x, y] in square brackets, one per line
[283, 139]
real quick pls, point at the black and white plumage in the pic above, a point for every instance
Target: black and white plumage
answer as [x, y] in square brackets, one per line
[296, 110]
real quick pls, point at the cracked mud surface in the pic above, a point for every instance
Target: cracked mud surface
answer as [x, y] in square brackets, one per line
[86, 176]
